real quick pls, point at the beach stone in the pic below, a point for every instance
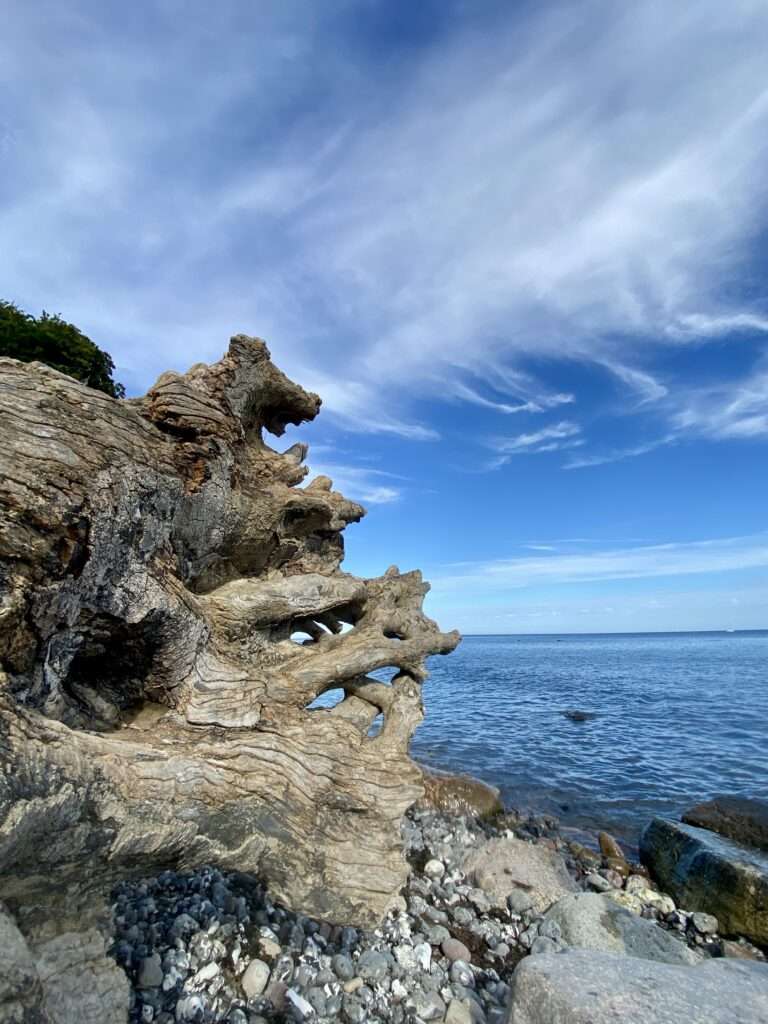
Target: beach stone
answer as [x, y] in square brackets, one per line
[434, 869]
[609, 847]
[580, 986]
[519, 901]
[372, 966]
[427, 1005]
[706, 872]
[455, 950]
[458, 1013]
[423, 953]
[275, 992]
[459, 795]
[594, 921]
[461, 974]
[269, 947]
[343, 967]
[255, 978]
[150, 972]
[598, 883]
[503, 864]
[704, 923]
[542, 945]
[739, 818]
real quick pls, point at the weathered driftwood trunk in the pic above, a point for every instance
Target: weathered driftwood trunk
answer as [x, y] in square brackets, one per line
[158, 563]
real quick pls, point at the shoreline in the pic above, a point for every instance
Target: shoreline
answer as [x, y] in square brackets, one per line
[224, 952]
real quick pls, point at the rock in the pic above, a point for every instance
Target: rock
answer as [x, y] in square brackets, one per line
[426, 1005]
[350, 987]
[706, 872]
[542, 945]
[372, 966]
[579, 986]
[578, 716]
[594, 921]
[20, 989]
[434, 869]
[519, 901]
[637, 901]
[704, 923]
[739, 818]
[598, 883]
[300, 1004]
[461, 974]
[157, 557]
[458, 1013]
[456, 950]
[502, 865]
[275, 992]
[343, 967]
[150, 972]
[609, 847]
[459, 794]
[254, 979]
[423, 953]
[269, 947]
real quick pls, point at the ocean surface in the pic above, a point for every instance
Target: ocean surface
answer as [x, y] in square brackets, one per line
[678, 717]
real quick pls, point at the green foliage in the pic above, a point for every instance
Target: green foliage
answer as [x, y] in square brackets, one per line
[53, 341]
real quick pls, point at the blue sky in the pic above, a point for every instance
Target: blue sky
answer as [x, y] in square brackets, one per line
[520, 249]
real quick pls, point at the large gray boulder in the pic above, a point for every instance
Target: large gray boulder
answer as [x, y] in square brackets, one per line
[501, 865]
[595, 921]
[580, 986]
[736, 817]
[704, 871]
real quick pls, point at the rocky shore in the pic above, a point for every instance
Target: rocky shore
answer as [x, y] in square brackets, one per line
[212, 946]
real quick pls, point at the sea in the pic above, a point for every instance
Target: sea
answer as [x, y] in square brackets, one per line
[670, 719]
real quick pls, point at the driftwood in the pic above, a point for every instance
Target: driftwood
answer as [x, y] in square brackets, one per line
[171, 603]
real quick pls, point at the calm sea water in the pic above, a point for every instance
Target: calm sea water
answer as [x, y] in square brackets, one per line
[678, 718]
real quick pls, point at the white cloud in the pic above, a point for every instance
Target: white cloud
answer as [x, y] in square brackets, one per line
[642, 562]
[571, 184]
[359, 483]
[618, 455]
[557, 437]
[699, 326]
[735, 411]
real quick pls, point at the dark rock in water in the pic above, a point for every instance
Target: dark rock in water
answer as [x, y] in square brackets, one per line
[745, 821]
[703, 871]
[583, 987]
[459, 794]
[579, 716]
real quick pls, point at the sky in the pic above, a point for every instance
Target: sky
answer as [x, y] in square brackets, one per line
[518, 248]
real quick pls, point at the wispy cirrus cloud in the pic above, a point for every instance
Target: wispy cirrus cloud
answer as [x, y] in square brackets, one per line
[554, 438]
[528, 189]
[611, 564]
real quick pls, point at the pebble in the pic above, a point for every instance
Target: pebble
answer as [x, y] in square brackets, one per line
[254, 979]
[455, 950]
[434, 869]
[211, 947]
[704, 923]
